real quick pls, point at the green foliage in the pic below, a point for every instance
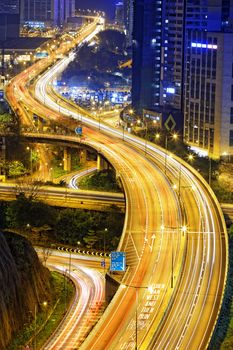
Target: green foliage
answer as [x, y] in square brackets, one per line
[104, 180]
[3, 207]
[88, 227]
[63, 291]
[222, 193]
[91, 239]
[93, 65]
[112, 40]
[92, 229]
[24, 212]
[231, 231]
[16, 168]
[223, 335]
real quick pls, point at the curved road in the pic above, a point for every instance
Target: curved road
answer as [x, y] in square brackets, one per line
[184, 265]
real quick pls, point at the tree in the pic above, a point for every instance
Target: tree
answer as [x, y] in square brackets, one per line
[112, 40]
[26, 211]
[231, 231]
[16, 168]
[90, 239]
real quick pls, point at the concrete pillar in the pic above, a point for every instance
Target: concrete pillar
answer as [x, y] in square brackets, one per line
[83, 156]
[101, 163]
[66, 159]
[40, 124]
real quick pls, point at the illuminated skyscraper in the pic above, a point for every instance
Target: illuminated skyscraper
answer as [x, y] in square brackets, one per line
[183, 65]
[158, 54]
[119, 13]
[9, 19]
[128, 20]
[48, 12]
[208, 72]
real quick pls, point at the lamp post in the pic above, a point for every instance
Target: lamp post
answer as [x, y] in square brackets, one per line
[123, 132]
[174, 137]
[146, 137]
[210, 170]
[35, 325]
[183, 230]
[105, 231]
[136, 310]
[29, 149]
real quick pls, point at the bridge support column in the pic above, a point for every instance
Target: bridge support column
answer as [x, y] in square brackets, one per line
[67, 159]
[83, 156]
[101, 163]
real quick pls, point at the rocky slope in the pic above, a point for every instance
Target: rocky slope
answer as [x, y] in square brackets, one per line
[24, 283]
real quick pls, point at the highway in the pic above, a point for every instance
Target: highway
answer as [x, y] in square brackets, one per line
[175, 240]
[65, 197]
[88, 303]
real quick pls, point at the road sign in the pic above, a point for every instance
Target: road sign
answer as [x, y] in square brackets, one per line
[103, 263]
[170, 123]
[118, 261]
[79, 130]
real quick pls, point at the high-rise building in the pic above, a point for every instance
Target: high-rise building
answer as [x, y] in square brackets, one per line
[182, 65]
[208, 72]
[128, 20]
[9, 6]
[158, 54]
[147, 44]
[48, 12]
[119, 13]
[9, 19]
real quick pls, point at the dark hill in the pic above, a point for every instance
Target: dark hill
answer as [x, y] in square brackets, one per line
[24, 283]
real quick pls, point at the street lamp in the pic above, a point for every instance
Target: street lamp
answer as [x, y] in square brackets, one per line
[105, 231]
[146, 137]
[174, 137]
[150, 289]
[183, 229]
[29, 149]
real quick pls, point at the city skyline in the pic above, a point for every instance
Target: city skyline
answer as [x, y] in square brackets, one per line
[116, 145]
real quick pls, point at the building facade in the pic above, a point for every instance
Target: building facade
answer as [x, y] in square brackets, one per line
[208, 72]
[47, 12]
[182, 65]
[9, 19]
[147, 48]
[128, 20]
[119, 13]
[158, 55]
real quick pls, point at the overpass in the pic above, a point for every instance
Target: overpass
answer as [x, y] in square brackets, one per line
[175, 242]
[65, 197]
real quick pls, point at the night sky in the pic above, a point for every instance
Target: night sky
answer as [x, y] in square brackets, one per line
[105, 5]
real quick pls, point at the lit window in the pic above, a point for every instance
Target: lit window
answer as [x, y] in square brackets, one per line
[170, 90]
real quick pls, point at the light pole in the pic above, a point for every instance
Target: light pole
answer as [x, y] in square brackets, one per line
[105, 231]
[210, 170]
[174, 137]
[150, 289]
[29, 149]
[35, 325]
[146, 138]
[183, 230]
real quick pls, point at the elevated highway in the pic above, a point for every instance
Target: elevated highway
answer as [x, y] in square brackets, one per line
[65, 197]
[175, 241]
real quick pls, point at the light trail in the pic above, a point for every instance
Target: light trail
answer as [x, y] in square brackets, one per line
[202, 260]
[73, 181]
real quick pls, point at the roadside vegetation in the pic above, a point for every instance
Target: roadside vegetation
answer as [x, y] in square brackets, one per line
[211, 170]
[223, 336]
[95, 65]
[104, 180]
[48, 316]
[46, 225]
